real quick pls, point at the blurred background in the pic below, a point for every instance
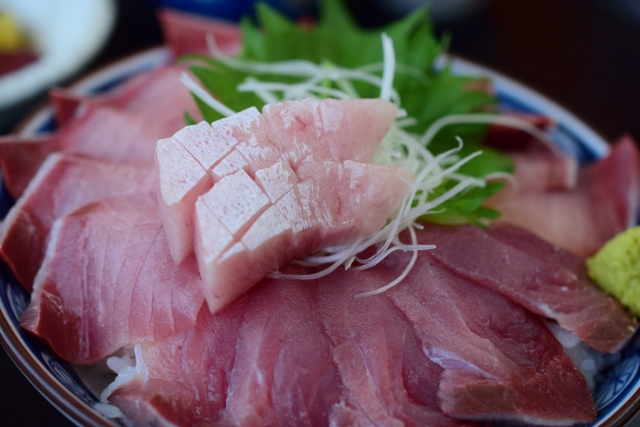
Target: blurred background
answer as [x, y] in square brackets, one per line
[584, 54]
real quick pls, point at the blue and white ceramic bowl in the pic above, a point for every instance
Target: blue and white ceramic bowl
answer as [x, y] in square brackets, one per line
[74, 390]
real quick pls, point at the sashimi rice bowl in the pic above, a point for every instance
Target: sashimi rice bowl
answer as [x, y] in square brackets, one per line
[276, 224]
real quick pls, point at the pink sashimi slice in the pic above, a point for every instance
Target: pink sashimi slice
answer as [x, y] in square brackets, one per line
[90, 299]
[295, 129]
[236, 201]
[354, 128]
[354, 199]
[604, 203]
[187, 33]
[333, 204]
[545, 279]
[181, 181]
[203, 143]
[276, 180]
[229, 165]
[241, 142]
[336, 130]
[157, 93]
[500, 362]
[63, 184]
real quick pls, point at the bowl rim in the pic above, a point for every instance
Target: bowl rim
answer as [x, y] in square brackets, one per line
[78, 411]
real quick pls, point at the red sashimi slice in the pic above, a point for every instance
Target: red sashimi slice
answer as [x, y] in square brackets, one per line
[514, 140]
[91, 299]
[291, 353]
[306, 384]
[187, 33]
[249, 365]
[157, 93]
[604, 203]
[100, 132]
[183, 380]
[376, 350]
[546, 280]
[500, 362]
[63, 184]
[20, 158]
[543, 171]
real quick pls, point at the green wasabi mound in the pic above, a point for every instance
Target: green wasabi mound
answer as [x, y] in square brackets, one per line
[616, 269]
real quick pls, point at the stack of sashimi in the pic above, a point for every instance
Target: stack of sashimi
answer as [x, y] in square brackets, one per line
[135, 232]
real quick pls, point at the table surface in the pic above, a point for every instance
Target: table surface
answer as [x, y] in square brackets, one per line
[582, 54]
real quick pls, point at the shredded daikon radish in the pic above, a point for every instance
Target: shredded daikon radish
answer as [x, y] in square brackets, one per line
[389, 67]
[205, 96]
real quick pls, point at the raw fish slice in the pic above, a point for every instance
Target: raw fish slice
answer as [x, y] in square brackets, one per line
[604, 203]
[554, 286]
[211, 242]
[100, 132]
[247, 365]
[116, 136]
[20, 158]
[353, 128]
[259, 154]
[354, 199]
[278, 314]
[63, 184]
[91, 299]
[187, 33]
[181, 181]
[242, 126]
[296, 130]
[372, 342]
[183, 380]
[332, 205]
[514, 140]
[157, 93]
[203, 143]
[500, 362]
[231, 164]
[246, 131]
[236, 201]
[544, 171]
[276, 180]
[262, 249]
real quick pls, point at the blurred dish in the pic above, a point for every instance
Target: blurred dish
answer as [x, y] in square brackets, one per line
[65, 35]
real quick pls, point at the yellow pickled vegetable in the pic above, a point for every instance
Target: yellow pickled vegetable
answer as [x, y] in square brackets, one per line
[616, 269]
[11, 37]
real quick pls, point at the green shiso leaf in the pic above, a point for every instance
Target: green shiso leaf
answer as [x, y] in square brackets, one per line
[426, 93]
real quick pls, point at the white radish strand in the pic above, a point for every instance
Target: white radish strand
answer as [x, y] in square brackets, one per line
[389, 67]
[490, 119]
[205, 96]
[400, 278]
